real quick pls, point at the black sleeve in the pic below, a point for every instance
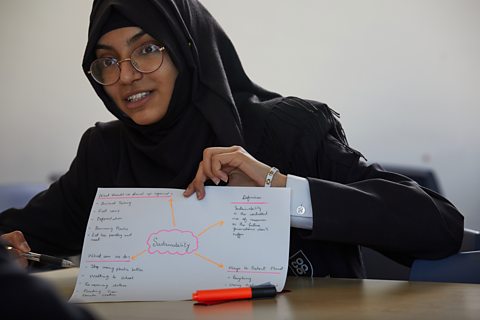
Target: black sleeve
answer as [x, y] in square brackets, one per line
[54, 221]
[25, 297]
[359, 204]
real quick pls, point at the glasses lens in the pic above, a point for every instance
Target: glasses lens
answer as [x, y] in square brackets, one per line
[148, 57]
[105, 70]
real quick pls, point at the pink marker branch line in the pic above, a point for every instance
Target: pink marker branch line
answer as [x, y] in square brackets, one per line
[168, 197]
[133, 197]
[108, 260]
[244, 202]
[258, 272]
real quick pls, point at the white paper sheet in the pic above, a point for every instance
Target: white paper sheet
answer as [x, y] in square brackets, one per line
[154, 244]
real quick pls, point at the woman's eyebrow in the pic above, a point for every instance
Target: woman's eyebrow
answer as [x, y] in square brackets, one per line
[130, 41]
[135, 37]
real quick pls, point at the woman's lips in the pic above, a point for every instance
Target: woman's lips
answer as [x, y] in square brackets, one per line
[138, 99]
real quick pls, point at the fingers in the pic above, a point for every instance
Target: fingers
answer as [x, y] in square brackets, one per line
[206, 165]
[219, 162]
[197, 185]
[16, 240]
[213, 169]
[205, 172]
[240, 160]
[19, 245]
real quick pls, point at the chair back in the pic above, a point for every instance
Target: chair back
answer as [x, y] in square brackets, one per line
[471, 240]
[17, 195]
[425, 177]
[463, 267]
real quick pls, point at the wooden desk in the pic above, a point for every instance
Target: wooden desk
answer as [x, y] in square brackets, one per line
[318, 298]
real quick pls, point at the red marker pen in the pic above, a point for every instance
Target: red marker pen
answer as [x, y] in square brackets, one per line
[263, 291]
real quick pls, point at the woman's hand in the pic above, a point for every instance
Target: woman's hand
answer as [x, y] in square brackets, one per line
[232, 165]
[19, 245]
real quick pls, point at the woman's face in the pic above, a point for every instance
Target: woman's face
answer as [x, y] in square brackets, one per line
[144, 97]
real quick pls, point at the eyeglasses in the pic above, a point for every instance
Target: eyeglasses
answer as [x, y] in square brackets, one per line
[145, 59]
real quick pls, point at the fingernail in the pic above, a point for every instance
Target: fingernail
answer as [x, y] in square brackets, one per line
[225, 179]
[216, 180]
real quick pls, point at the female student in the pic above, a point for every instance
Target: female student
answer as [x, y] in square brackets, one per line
[189, 115]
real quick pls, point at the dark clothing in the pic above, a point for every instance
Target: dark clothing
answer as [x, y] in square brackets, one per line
[214, 103]
[353, 204]
[23, 296]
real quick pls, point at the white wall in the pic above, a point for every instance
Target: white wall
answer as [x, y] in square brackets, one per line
[405, 75]
[47, 102]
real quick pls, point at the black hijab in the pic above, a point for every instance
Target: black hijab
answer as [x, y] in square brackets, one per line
[214, 103]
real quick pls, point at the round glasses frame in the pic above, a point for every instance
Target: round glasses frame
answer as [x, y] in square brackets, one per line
[116, 65]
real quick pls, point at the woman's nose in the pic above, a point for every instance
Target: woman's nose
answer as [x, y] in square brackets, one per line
[128, 73]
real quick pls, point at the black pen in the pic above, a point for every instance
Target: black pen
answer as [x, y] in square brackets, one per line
[43, 258]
